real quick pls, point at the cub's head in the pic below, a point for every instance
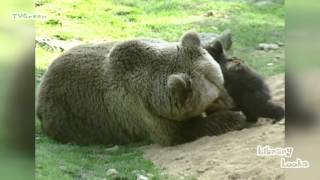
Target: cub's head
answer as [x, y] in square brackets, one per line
[193, 80]
[216, 50]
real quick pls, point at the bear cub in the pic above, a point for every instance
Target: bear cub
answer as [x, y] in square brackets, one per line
[248, 90]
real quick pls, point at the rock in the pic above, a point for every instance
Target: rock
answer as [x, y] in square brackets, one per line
[280, 44]
[142, 177]
[112, 173]
[267, 47]
[149, 175]
[113, 149]
[202, 170]
[234, 176]
[278, 57]
[39, 3]
[281, 122]
[210, 13]
[263, 3]
[137, 172]
[179, 158]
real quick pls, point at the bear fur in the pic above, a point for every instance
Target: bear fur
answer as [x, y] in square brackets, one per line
[249, 92]
[122, 92]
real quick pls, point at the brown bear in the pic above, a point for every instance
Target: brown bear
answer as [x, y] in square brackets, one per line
[122, 92]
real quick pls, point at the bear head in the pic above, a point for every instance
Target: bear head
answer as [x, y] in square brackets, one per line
[176, 81]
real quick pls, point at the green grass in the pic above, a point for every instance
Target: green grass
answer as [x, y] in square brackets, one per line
[91, 20]
[69, 161]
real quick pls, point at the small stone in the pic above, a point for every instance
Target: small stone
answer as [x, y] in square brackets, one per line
[202, 170]
[267, 47]
[210, 13]
[113, 149]
[142, 177]
[280, 44]
[38, 3]
[137, 172]
[281, 122]
[270, 64]
[150, 175]
[179, 158]
[263, 3]
[234, 176]
[280, 176]
[112, 172]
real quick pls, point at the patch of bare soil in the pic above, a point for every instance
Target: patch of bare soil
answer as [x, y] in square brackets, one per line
[228, 156]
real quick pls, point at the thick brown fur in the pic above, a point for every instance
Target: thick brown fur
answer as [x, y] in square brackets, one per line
[117, 93]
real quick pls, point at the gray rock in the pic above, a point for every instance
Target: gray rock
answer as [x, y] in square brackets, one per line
[142, 177]
[210, 13]
[267, 47]
[280, 44]
[149, 175]
[202, 170]
[112, 173]
[113, 149]
[263, 3]
[179, 157]
[137, 172]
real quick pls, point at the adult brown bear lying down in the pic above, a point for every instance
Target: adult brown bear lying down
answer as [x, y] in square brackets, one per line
[117, 93]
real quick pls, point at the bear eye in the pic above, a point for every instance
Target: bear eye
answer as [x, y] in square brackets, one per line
[203, 53]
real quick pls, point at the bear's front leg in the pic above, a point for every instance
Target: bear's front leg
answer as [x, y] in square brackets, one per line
[171, 132]
[217, 123]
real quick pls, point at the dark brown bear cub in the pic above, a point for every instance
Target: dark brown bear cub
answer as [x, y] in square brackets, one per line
[247, 89]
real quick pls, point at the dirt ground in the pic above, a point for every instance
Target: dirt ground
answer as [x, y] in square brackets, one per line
[228, 156]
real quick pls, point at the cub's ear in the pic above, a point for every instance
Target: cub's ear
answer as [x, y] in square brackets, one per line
[191, 40]
[215, 48]
[226, 39]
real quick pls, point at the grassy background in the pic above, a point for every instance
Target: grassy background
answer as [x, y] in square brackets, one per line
[94, 20]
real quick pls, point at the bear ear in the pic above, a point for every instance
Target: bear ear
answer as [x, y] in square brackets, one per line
[180, 85]
[191, 40]
[179, 81]
[226, 39]
[216, 48]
